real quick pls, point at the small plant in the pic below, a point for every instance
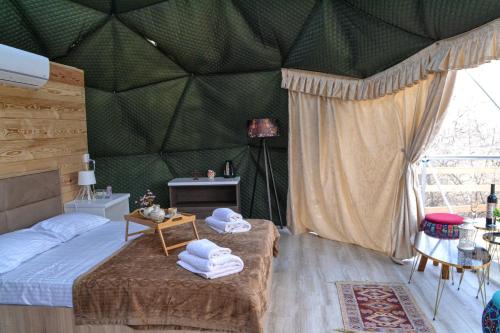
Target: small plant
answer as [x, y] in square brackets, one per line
[146, 200]
[496, 214]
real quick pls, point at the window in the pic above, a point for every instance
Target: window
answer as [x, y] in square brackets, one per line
[465, 155]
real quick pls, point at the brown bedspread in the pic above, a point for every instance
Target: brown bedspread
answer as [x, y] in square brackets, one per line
[141, 287]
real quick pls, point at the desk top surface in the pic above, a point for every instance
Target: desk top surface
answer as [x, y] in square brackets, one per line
[204, 181]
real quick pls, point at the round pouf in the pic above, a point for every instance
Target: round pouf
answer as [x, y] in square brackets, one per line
[491, 315]
[442, 225]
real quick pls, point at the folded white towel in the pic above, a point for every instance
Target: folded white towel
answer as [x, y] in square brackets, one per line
[228, 227]
[220, 231]
[213, 274]
[226, 214]
[204, 248]
[210, 265]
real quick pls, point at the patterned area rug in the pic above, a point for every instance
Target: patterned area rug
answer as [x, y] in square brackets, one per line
[380, 307]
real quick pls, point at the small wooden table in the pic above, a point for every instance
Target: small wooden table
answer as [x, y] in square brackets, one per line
[157, 227]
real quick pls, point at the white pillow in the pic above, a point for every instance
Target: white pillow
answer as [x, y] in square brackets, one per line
[18, 246]
[67, 226]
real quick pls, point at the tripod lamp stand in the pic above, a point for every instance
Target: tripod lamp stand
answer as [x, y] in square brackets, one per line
[86, 179]
[263, 129]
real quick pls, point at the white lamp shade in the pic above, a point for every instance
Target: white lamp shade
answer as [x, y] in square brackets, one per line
[86, 178]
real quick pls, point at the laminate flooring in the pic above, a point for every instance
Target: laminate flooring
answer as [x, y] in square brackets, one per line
[304, 295]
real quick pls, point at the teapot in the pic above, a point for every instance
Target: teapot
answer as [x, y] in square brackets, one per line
[153, 212]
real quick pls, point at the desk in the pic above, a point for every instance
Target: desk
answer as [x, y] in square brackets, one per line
[202, 196]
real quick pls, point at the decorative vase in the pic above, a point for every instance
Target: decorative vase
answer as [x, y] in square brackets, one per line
[466, 235]
[211, 174]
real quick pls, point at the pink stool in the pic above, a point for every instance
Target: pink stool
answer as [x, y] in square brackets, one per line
[442, 225]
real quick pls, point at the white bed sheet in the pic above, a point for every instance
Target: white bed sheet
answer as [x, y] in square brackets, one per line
[47, 279]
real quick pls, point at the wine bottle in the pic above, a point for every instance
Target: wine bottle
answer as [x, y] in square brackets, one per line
[490, 207]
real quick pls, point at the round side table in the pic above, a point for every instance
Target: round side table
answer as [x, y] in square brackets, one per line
[480, 226]
[446, 253]
[493, 240]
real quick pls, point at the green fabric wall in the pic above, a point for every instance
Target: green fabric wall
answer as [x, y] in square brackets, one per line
[158, 112]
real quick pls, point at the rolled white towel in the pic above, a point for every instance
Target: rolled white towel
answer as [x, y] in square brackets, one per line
[204, 248]
[228, 270]
[228, 227]
[226, 214]
[209, 265]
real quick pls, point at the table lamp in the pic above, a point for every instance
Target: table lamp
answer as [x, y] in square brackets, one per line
[86, 179]
[264, 128]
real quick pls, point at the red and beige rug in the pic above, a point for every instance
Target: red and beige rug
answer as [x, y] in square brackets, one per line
[380, 307]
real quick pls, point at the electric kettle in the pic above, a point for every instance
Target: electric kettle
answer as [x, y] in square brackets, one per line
[228, 169]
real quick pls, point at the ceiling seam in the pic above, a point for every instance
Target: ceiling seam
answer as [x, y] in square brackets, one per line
[301, 31]
[140, 8]
[385, 22]
[85, 36]
[164, 158]
[87, 6]
[278, 69]
[125, 156]
[205, 149]
[133, 29]
[153, 83]
[420, 6]
[176, 111]
[29, 26]
[249, 25]
[114, 33]
[138, 87]
[146, 166]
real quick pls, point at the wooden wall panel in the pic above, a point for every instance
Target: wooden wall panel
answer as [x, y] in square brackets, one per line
[45, 129]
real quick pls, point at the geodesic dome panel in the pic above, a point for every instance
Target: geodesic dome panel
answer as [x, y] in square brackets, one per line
[171, 84]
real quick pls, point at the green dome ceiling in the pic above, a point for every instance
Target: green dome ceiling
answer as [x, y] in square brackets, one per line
[170, 84]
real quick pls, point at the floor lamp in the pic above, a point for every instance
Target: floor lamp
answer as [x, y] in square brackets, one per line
[263, 129]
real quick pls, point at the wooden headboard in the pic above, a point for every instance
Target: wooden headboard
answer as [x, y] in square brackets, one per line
[25, 200]
[45, 129]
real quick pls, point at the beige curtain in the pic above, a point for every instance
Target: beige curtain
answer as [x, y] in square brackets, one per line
[354, 143]
[467, 50]
[351, 163]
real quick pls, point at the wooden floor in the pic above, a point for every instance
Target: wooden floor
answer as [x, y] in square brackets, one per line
[304, 296]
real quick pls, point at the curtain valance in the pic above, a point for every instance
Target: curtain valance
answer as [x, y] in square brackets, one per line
[467, 50]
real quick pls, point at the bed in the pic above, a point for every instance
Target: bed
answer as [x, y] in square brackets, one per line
[108, 286]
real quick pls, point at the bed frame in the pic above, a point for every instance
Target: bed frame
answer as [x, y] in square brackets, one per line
[24, 201]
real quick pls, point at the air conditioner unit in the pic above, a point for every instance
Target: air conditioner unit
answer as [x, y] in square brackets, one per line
[23, 69]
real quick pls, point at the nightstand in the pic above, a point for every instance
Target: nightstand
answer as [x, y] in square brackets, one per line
[114, 208]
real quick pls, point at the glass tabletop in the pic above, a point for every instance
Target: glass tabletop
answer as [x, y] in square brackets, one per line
[446, 252]
[492, 237]
[482, 226]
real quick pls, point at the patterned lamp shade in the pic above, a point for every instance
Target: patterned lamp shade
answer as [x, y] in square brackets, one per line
[263, 128]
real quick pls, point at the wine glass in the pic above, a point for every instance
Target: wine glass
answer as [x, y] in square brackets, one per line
[474, 206]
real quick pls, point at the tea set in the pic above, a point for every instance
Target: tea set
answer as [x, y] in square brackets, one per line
[156, 213]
